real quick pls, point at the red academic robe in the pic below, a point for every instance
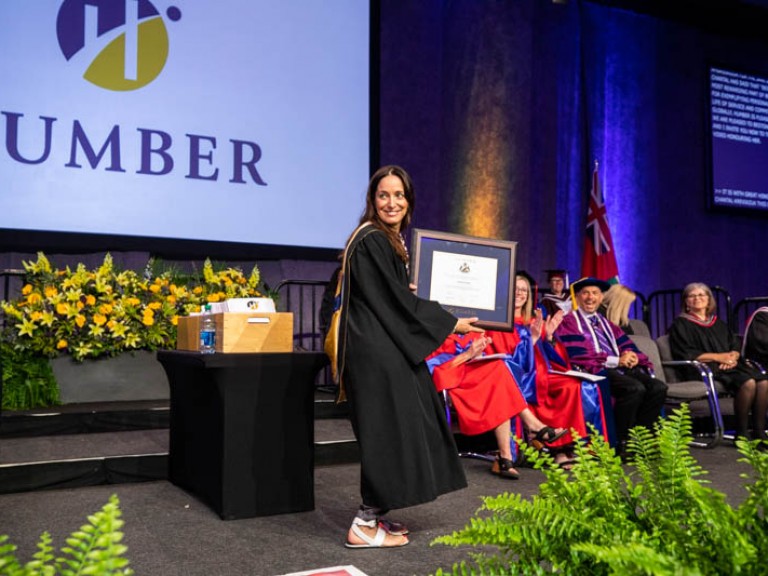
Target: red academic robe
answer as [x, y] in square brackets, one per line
[483, 393]
[557, 400]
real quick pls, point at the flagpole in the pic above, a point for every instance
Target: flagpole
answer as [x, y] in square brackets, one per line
[597, 165]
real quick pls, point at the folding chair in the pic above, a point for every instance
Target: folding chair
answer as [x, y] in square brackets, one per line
[686, 391]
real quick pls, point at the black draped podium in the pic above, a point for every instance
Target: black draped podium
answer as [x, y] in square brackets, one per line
[242, 429]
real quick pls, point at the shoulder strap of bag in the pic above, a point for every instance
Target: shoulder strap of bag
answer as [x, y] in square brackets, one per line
[342, 287]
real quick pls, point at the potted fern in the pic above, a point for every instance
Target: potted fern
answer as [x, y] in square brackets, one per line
[655, 516]
[94, 549]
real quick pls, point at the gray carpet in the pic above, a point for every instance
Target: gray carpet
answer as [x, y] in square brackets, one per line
[170, 533]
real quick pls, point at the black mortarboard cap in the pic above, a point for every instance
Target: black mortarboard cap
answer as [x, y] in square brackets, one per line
[589, 281]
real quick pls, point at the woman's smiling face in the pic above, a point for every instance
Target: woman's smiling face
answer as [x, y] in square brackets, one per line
[521, 292]
[391, 204]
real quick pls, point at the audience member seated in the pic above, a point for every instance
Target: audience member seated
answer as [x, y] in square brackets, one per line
[598, 346]
[698, 334]
[558, 297]
[755, 345]
[484, 395]
[532, 356]
[616, 303]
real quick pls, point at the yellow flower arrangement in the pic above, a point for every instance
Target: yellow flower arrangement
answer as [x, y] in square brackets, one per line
[103, 312]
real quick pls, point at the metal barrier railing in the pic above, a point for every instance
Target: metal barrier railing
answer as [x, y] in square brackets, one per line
[303, 298]
[638, 307]
[744, 309]
[9, 284]
[12, 282]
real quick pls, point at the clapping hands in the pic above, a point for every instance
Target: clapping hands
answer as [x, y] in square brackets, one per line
[539, 326]
[478, 345]
[553, 322]
[536, 326]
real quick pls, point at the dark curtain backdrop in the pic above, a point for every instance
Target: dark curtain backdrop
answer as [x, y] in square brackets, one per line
[499, 109]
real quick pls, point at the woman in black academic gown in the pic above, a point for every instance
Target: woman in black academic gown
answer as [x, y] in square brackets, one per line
[697, 334]
[408, 455]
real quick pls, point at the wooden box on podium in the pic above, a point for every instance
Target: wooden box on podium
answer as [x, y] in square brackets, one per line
[241, 332]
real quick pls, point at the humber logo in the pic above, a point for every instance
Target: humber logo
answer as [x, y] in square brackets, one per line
[121, 45]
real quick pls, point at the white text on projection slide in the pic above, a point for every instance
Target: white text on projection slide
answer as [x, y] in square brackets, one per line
[739, 144]
[148, 117]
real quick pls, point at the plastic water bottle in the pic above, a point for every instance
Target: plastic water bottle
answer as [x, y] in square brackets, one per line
[207, 331]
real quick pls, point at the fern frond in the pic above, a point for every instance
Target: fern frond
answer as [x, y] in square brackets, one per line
[752, 511]
[96, 548]
[665, 465]
[8, 562]
[41, 563]
[637, 559]
[596, 521]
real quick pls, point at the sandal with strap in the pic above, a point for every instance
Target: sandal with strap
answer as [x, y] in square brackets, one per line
[546, 436]
[503, 467]
[393, 527]
[377, 541]
[564, 460]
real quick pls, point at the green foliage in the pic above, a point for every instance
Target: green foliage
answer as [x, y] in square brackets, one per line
[104, 312]
[95, 549]
[661, 518]
[99, 313]
[28, 380]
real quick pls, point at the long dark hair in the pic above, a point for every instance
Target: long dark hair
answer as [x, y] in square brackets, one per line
[371, 215]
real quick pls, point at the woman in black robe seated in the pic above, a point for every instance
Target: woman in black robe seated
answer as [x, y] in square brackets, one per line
[697, 334]
[407, 452]
[756, 337]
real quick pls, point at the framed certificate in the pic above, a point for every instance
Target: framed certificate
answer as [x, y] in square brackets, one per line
[468, 276]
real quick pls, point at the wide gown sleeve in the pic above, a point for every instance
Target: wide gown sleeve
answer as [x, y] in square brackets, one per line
[580, 349]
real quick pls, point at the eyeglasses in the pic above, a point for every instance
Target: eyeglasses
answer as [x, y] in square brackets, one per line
[521, 290]
[694, 296]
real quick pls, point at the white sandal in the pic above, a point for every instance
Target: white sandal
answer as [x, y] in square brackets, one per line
[376, 542]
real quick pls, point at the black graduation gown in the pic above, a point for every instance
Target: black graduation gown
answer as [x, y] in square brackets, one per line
[688, 340]
[756, 338]
[408, 455]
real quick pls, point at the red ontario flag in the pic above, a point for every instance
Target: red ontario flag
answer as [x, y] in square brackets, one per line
[599, 258]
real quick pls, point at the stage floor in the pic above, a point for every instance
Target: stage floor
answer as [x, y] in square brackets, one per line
[170, 532]
[63, 447]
